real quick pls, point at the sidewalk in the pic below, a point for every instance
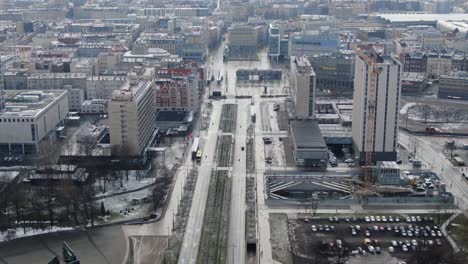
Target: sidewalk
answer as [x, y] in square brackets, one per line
[443, 228]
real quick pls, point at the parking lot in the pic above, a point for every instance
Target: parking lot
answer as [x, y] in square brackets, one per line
[405, 235]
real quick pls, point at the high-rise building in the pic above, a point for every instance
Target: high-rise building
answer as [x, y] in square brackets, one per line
[302, 83]
[386, 101]
[274, 41]
[132, 113]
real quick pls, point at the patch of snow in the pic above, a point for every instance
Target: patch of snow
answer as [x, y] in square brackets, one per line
[132, 184]
[19, 232]
[406, 107]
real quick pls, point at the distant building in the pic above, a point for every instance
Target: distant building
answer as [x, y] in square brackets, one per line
[108, 61]
[439, 64]
[303, 82]
[413, 83]
[29, 118]
[311, 42]
[17, 80]
[386, 101]
[132, 112]
[415, 62]
[274, 41]
[454, 86]
[101, 87]
[56, 81]
[245, 39]
[459, 62]
[94, 106]
[334, 71]
[176, 90]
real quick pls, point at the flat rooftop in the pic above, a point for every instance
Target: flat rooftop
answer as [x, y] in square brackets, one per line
[306, 134]
[173, 116]
[21, 103]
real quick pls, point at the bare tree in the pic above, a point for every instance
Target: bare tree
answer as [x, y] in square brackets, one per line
[426, 112]
[446, 113]
[87, 145]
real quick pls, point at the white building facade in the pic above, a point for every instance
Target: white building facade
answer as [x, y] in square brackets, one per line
[132, 113]
[303, 83]
[387, 100]
[29, 118]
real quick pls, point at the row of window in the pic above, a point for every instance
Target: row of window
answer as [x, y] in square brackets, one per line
[14, 120]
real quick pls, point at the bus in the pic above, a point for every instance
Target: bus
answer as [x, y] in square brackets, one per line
[199, 155]
[195, 147]
[458, 161]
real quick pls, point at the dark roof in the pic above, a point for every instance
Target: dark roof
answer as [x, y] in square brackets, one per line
[306, 134]
[174, 116]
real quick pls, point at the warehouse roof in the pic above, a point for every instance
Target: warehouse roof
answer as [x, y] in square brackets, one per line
[306, 134]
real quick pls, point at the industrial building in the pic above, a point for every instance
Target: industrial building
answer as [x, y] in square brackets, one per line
[28, 118]
[309, 148]
[386, 101]
[302, 81]
[454, 86]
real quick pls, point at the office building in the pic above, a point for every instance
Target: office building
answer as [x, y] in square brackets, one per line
[386, 107]
[274, 41]
[30, 117]
[312, 42]
[245, 39]
[334, 71]
[101, 87]
[302, 81]
[132, 125]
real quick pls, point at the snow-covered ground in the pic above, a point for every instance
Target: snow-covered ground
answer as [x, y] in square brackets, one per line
[134, 182]
[406, 107]
[129, 201]
[19, 232]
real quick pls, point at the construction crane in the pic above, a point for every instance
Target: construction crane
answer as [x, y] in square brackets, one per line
[370, 117]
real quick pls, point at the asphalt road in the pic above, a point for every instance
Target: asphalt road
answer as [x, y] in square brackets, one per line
[191, 242]
[236, 235]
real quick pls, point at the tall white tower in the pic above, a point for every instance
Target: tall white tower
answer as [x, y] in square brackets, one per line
[386, 101]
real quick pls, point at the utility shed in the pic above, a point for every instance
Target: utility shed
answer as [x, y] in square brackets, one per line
[309, 148]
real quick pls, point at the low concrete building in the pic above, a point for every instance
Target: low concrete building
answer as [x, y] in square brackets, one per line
[309, 148]
[454, 86]
[413, 83]
[30, 117]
